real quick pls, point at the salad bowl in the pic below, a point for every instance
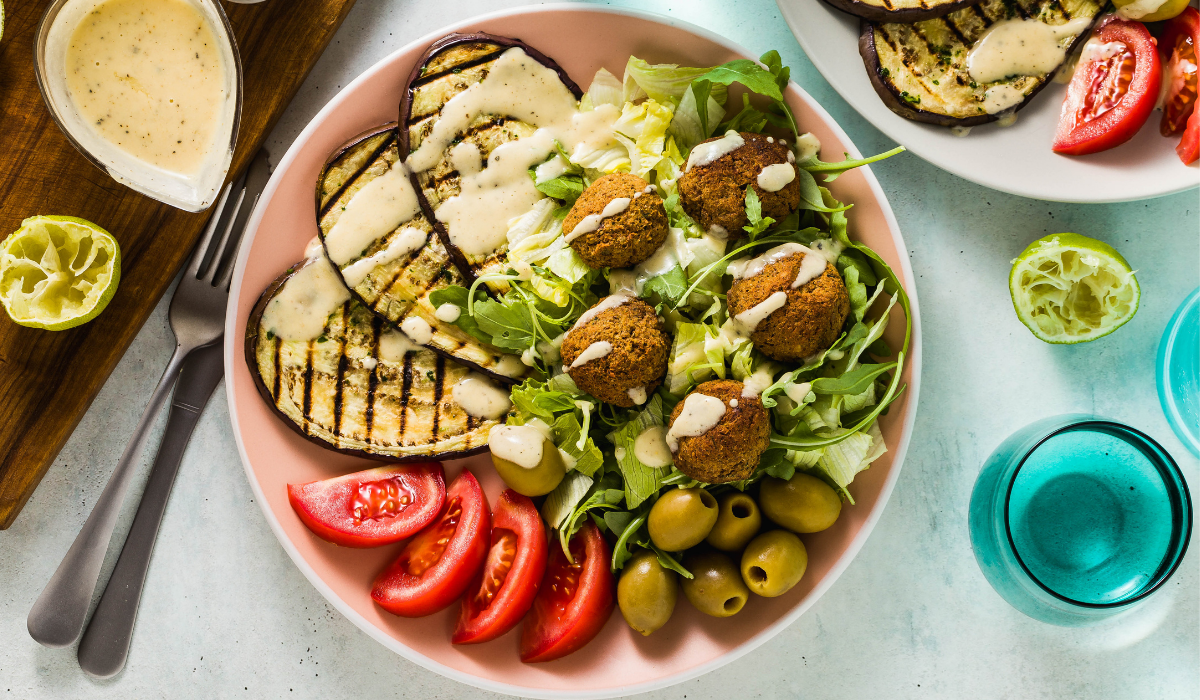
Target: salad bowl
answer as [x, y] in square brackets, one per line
[618, 661]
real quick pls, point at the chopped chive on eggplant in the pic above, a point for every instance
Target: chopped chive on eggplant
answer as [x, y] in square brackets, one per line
[270, 335]
[429, 375]
[322, 339]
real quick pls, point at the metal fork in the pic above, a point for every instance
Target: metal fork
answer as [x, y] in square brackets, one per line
[197, 317]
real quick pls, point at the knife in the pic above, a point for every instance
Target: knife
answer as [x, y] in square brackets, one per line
[105, 644]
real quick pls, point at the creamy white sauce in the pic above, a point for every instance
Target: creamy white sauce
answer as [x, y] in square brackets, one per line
[302, 306]
[595, 351]
[675, 250]
[718, 231]
[480, 398]
[417, 329]
[637, 395]
[149, 88]
[622, 282]
[797, 392]
[827, 248]
[373, 212]
[733, 403]
[393, 345]
[706, 153]
[408, 241]
[807, 146]
[509, 366]
[776, 176]
[1096, 50]
[812, 265]
[313, 248]
[1020, 47]
[609, 302]
[591, 222]
[750, 318]
[466, 158]
[516, 86]
[551, 169]
[520, 444]
[369, 363]
[1007, 119]
[1140, 8]
[650, 447]
[757, 383]
[960, 131]
[1000, 97]
[448, 313]
[700, 414]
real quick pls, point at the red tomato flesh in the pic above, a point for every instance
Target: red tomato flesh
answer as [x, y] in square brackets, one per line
[1110, 97]
[436, 565]
[371, 508]
[575, 600]
[1180, 110]
[504, 589]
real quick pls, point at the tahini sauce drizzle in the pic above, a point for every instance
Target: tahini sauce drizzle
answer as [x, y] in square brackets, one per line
[373, 212]
[480, 398]
[301, 308]
[517, 86]
[1020, 47]
[520, 444]
[595, 351]
[651, 449]
[700, 414]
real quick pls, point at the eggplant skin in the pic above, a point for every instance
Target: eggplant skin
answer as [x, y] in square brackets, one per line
[878, 13]
[401, 411]
[919, 69]
[458, 53]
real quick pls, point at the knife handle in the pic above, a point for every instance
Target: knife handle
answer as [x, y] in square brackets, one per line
[105, 645]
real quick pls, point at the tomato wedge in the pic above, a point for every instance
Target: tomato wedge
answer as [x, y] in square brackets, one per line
[436, 565]
[504, 589]
[371, 508]
[1181, 112]
[1113, 91]
[574, 602]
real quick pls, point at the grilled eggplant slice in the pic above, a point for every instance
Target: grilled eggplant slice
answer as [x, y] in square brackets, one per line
[356, 390]
[450, 66]
[900, 10]
[920, 71]
[399, 288]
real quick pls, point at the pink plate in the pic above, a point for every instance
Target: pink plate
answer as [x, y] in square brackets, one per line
[618, 661]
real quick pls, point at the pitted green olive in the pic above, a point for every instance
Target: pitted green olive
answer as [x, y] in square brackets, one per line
[538, 481]
[802, 504]
[682, 518]
[774, 562]
[646, 593]
[716, 588]
[738, 520]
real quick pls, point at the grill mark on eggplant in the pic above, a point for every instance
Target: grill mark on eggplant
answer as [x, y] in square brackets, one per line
[343, 363]
[306, 407]
[405, 392]
[952, 25]
[459, 67]
[375, 156]
[277, 345]
[439, 375]
[372, 378]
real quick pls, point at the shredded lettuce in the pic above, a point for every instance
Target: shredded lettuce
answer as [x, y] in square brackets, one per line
[642, 129]
[604, 90]
[662, 82]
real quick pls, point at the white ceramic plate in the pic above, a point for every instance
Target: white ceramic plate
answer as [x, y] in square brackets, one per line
[1015, 159]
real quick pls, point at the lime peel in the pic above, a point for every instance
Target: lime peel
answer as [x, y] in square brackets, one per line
[1067, 288]
[58, 272]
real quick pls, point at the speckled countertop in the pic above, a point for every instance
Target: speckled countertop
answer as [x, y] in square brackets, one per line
[226, 614]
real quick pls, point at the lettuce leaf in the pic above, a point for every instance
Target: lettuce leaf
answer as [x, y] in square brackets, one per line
[663, 81]
[641, 481]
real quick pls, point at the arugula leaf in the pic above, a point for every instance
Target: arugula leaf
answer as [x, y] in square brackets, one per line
[811, 196]
[625, 536]
[833, 170]
[566, 436]
[758, 222]
[669, 286]
[466, 322]
[666, 560]
[856, 381]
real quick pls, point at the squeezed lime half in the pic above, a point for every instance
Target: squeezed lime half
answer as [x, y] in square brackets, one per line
[1067, 288]
[57, 272]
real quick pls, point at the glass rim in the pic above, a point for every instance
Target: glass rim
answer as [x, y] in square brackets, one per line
[1181, 509]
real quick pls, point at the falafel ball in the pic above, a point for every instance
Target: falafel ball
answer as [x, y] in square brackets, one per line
[730, 450]
[808, 322]
[629, 357]
[623, 239]
[715, 194]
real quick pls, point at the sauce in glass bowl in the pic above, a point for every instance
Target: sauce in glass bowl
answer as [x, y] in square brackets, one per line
[149, 90]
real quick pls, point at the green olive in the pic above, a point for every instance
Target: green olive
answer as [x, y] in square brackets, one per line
[646, 593]
[803, 503]
[716, 588]
[774, 562]
[737, 521]
[538, 481]
[682, 518]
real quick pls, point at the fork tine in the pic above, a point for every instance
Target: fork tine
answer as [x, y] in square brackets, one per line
[218, 249]
[201, 249]
[256, 180]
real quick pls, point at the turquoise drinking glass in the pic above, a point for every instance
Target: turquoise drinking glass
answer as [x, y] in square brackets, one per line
[1076, 518]
[1179, 372]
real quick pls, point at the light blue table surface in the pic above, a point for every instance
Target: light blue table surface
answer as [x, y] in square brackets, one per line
[226, 614]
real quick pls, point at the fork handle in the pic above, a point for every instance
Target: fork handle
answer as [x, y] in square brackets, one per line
[105, 644]
[56, 618]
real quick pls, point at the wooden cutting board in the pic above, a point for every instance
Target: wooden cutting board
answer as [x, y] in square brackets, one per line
[48, 379]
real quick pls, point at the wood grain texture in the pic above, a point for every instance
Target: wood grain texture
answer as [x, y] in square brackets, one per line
[48, 379]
